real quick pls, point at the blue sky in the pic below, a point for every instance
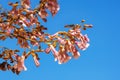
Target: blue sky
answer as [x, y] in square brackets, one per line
[99, 62]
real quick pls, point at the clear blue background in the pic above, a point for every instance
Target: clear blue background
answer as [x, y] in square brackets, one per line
[101, 61]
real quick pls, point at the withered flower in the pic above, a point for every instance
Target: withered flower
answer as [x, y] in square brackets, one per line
[1, 55]
[2, 37]
[3, 66]
[8, 66]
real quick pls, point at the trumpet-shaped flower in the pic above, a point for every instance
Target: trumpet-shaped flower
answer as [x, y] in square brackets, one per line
[55, 53]
[37, 63]
[61, 40]
[63, 56]
[73, 50]
[20, 63]
[82, 45]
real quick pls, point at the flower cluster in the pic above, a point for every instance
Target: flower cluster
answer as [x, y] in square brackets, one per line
[22, 23]
[16, 64]
[67, 45]
[51, 5]
[18, 61]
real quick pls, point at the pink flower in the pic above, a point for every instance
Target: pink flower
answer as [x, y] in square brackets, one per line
[86, 38]
[75, 32]
[24, 44]
[82, 45]
[72, 32]
[26, 23]
[25, 3]
[78, 30]
[55, 53]
[63, 56]
[8, 31]
[20, 63]
[36, 61]
[34, 43]
[47, 50]
[73, 50]
[43, 14]
[53, 6]
[61, 40]
[54, 35]
[68, 46]
[66, 57]
[33, 19]
[22, 22]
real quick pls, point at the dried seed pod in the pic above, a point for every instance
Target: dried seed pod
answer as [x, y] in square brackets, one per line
[8, 66]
